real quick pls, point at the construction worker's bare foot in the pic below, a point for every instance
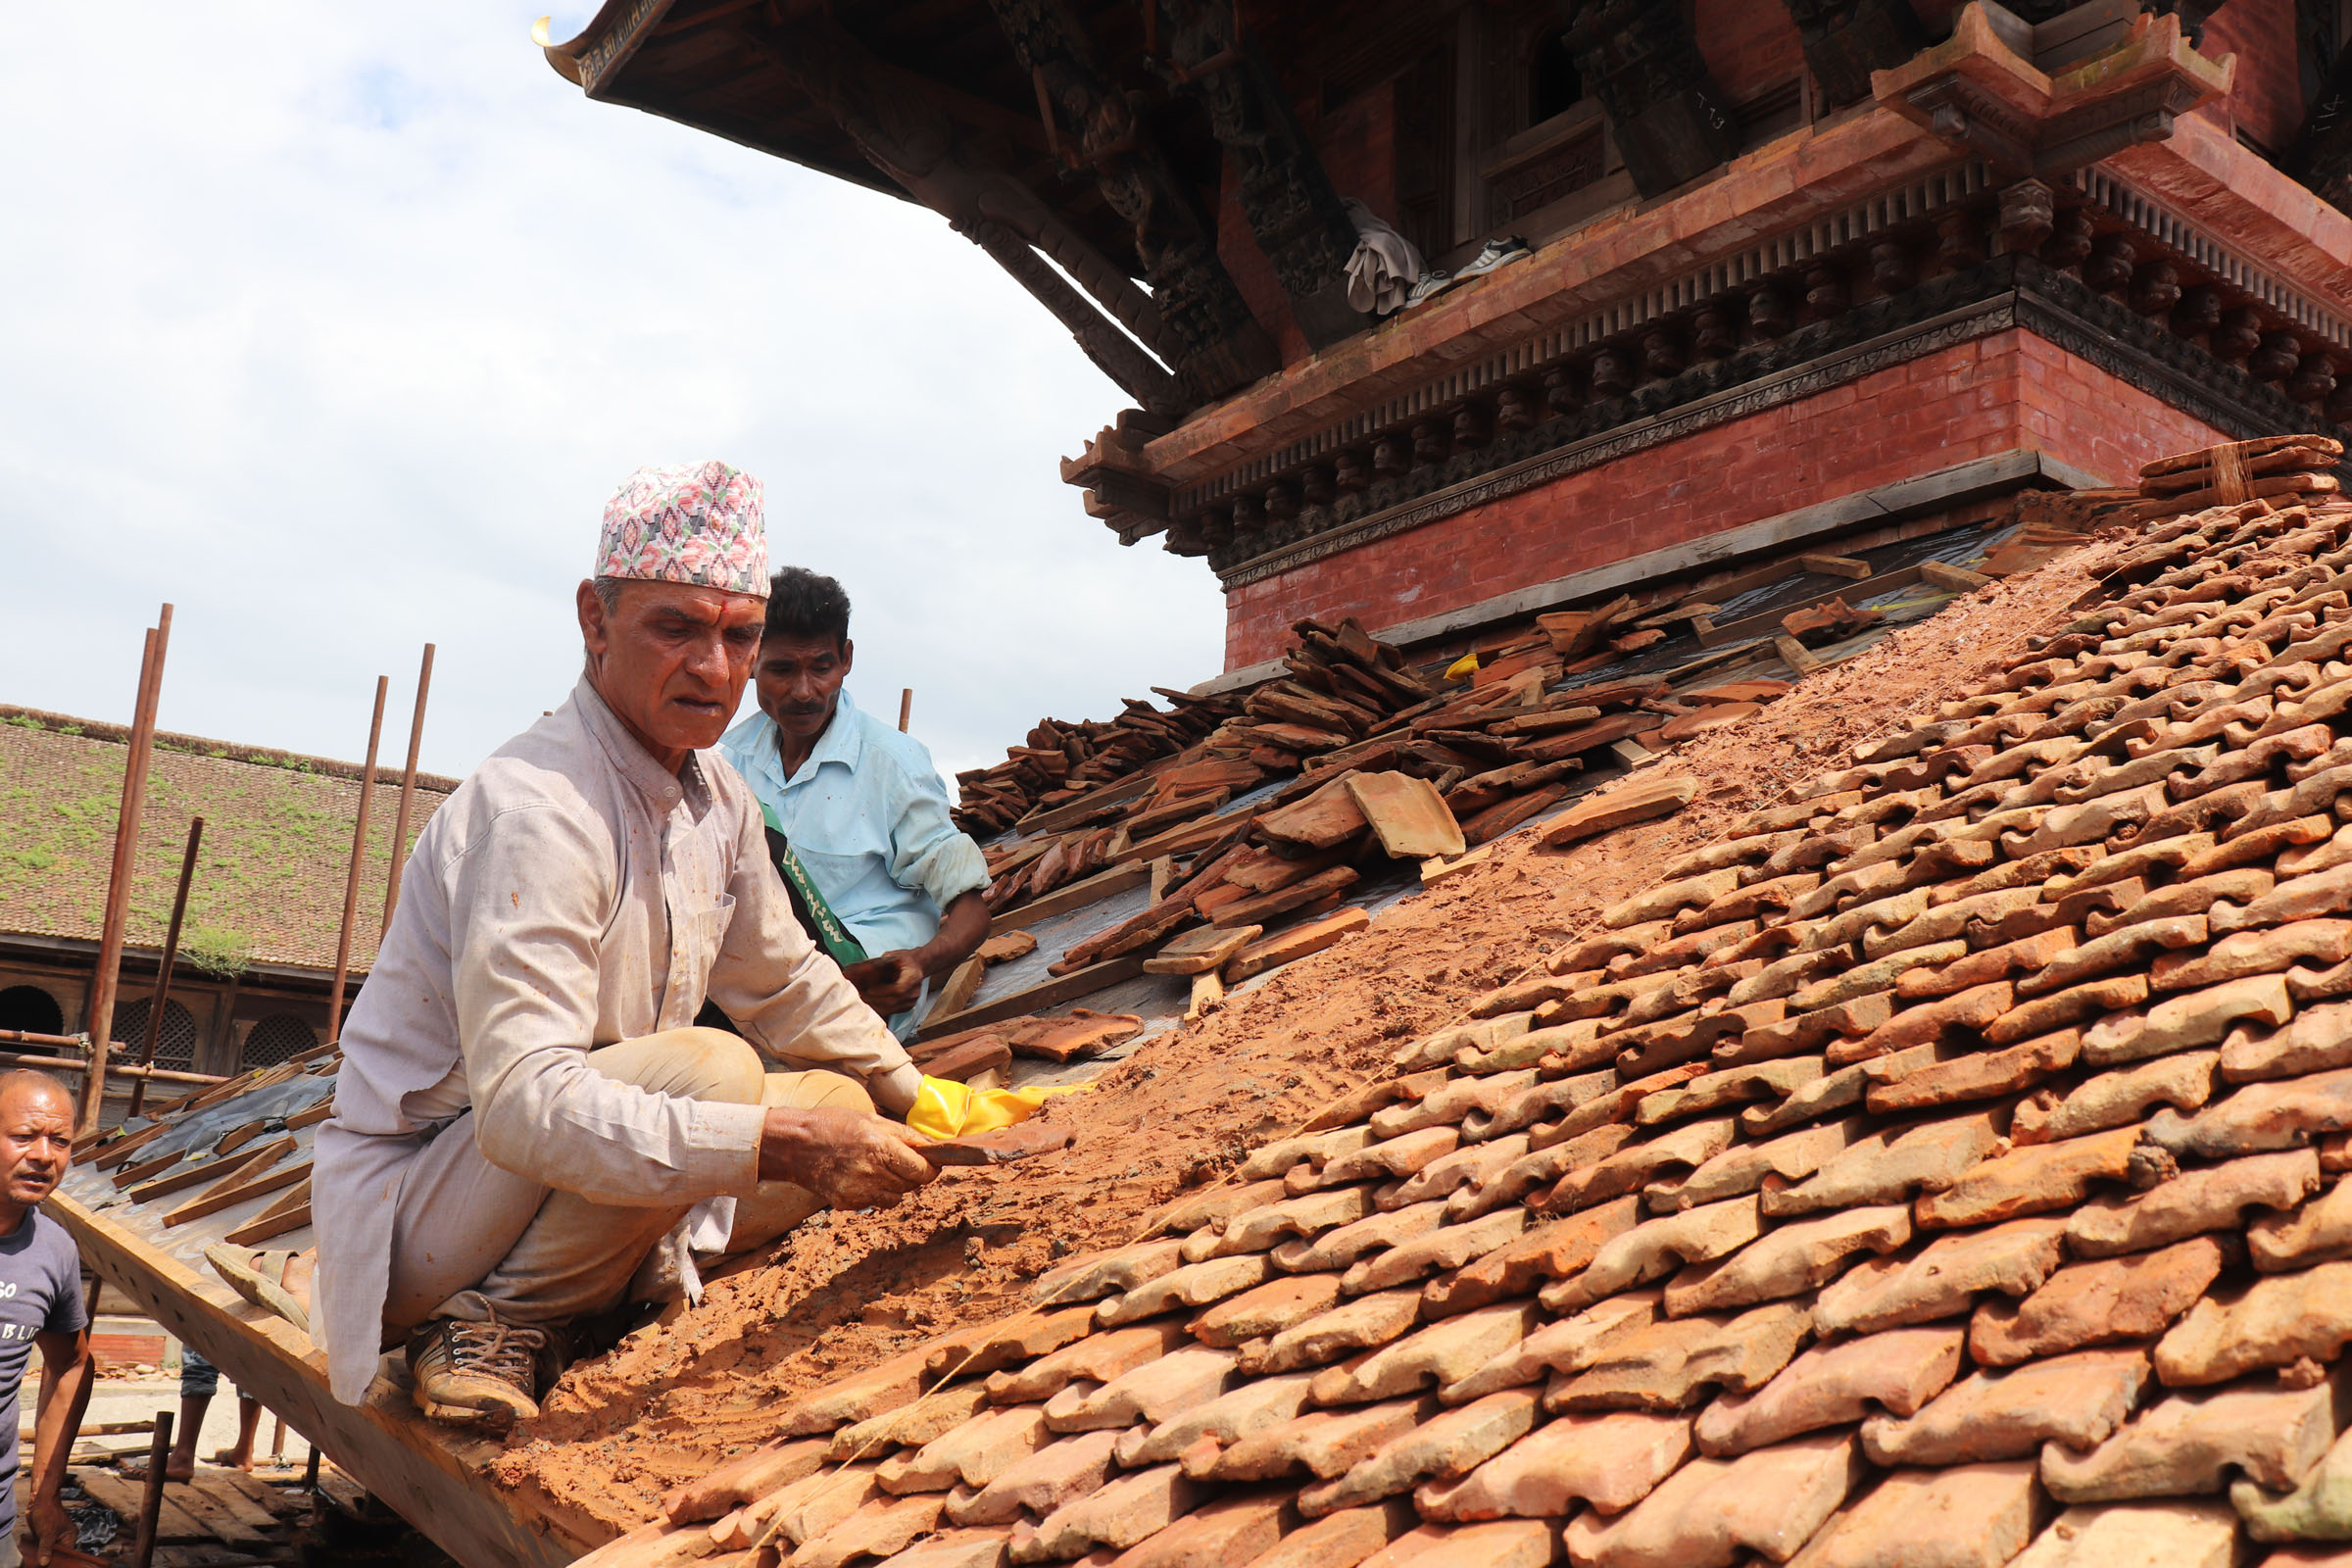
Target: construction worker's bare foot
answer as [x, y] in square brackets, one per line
[178, 1467]
[234, 1458]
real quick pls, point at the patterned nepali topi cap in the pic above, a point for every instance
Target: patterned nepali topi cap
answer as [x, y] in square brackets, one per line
[692, 523]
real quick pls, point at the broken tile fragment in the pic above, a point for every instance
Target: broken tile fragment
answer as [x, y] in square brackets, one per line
[2030, 1181]
[1024, 1337]
[2281, 1319]
[1257, 1229]
[2136, 1535]
[1654, 1247]
[1123, 1513]
[1788, 1259]
[2136, 1297]
[2116, 1099]
[1673, 1364]
[1229, 1529]
[1193, 1285]
[1501, 1543]
[1464, 1169]
[1256, 1405]
[2185, 1021]
[2261, 955]
[2062, 1009]
[1040, 1481]
[1342, 1331]
[955, 1548]
[2191, 1203]
[1709, 1511]
[2319, 1508]
[1096, 1358]
[1567, 1345]
[1611, 1461]
[1630, 1169]
[1448, 1247]
[1322, 1442]
[1835, 1385]
[1389, 1157]
[1154, 1392]
[882, 1528]
[1267, 1310]
[1943, 1278]
[1743, 1167]
[1888, 1167]
[1113, 1273]
[1337, 1248]
[1966, 1516]
[1278, 1158]
[2195, 1442]
[2074, 1400]
[972, 1455]
[1445, 1352]
[1973, 1075]
[1343, 1540]
[1214, 1204]
[2318, 1232]
[1443, 1448]
[1552, 1251]
[910, 1426]
[2318, 1038]
[2280, 1113]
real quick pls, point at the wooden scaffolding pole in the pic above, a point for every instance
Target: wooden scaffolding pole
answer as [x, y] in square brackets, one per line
[99, 1016]
[163, 973]
[359, 855]
[407, 794]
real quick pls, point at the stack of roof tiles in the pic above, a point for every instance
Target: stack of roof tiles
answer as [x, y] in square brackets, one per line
[1944, 1169]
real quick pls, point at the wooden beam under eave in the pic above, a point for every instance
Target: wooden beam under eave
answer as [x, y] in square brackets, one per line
[434, 1477]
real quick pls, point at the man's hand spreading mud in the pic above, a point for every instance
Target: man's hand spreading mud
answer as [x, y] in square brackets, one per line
[850, 1159]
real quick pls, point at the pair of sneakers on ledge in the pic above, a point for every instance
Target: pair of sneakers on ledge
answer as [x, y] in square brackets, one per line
[1498, 253]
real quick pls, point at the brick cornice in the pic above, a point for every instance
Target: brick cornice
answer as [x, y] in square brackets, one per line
[2008, 292]
[1607, 265]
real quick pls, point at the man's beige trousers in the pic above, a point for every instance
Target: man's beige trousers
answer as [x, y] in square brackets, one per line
[472, 1240]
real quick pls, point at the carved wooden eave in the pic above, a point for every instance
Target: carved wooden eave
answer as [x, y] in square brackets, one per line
[1978, 91]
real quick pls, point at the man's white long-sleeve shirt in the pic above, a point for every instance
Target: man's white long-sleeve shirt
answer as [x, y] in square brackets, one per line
[571, 894]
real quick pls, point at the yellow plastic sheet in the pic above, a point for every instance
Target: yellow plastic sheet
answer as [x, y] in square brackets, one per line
[945, 1108]
[1463, 668]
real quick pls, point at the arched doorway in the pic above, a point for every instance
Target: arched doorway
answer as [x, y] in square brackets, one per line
[31, 1009]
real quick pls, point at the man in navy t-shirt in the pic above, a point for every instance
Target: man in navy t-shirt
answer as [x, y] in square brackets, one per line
[40, 1303]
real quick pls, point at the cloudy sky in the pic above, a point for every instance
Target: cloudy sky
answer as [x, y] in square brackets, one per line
[334, 324]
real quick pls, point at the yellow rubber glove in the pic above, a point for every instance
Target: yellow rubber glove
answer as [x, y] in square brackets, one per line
[1463, 668]
[945, 1108]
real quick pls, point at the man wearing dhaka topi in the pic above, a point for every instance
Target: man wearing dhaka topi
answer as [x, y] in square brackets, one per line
[528, 1131]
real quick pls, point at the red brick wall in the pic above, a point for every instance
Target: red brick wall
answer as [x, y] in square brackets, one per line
[2265, 99]
[1996, 394]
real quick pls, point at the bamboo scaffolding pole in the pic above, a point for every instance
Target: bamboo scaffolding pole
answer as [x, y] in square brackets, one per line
[99, 1015]
[359, 855]
[163, 973]
[407, 794]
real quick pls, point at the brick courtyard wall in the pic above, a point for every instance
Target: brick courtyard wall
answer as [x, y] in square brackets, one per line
[1995, 394]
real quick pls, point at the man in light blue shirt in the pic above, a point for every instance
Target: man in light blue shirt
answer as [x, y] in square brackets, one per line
[857, 814]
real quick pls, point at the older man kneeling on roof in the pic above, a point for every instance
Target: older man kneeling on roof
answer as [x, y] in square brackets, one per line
[526, 1126]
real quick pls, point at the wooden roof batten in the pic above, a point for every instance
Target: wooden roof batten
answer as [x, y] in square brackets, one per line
[1115, 198]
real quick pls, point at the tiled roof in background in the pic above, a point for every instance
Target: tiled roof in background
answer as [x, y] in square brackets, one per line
[1943, 1167]
[268, 884]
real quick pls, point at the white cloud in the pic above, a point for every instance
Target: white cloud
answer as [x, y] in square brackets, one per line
[334, 325]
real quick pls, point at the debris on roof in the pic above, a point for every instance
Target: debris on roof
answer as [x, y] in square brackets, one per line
[1947, 1154]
